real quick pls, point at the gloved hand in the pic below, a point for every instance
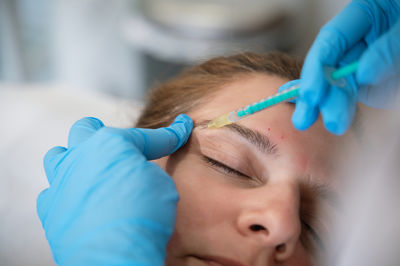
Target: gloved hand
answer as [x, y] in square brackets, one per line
[107, 204]
[287, 85]
[365, 30]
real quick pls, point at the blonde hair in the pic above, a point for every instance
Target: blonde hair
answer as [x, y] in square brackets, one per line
[189, 89]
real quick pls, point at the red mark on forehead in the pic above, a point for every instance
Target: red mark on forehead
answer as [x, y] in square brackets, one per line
[269, 129]
[282, 137]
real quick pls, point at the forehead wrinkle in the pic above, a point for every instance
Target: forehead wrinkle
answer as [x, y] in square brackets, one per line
[262, 142]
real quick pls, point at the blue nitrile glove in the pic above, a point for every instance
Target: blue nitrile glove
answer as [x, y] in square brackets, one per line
[107, 204]
[365, 30]
[287, 85]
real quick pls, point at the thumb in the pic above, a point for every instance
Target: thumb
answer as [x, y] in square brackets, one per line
[83, 129]
[381, 60]
[156, 143]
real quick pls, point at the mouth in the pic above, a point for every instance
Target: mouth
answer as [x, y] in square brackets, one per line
[218, 261]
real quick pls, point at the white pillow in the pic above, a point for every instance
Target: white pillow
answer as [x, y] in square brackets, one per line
[33, 120]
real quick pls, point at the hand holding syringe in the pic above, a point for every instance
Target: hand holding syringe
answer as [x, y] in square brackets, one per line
[334, 76]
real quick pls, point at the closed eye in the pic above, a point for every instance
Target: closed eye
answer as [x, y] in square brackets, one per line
[313, 225]
[310, 238]
[309, 234]
[224, 168]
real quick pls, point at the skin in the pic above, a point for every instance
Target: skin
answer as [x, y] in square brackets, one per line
[258, 218]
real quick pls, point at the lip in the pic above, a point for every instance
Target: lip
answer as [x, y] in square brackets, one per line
[219, 260]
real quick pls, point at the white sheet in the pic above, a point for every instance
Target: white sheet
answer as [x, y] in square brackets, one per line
[34, 119]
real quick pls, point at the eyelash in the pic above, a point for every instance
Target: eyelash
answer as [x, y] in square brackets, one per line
[311, 234]
[224, 168]
[230, 171]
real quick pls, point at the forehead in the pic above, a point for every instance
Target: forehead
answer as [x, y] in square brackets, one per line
[313, 149]
[237, 94]
[247, 90]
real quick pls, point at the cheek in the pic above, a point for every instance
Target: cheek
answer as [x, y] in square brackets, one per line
[198, 190]
[205, 198]
[202, 208]
[300, 258]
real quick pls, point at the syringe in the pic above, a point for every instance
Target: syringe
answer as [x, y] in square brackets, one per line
[334, 76]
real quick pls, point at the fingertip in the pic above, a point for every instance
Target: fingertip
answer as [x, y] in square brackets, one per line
[50, 162]
[90, 122]
[40, 205]
[53, 152]
[338, 119]
[182, 127]
[338, 109]
[304, 116]
[297, 119]
[83, 129]
[337, 123]
[160, 142]
[186, 120]
[335, 128]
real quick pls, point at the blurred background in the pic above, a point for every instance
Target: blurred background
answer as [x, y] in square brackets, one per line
[61, 60]
[121, 47]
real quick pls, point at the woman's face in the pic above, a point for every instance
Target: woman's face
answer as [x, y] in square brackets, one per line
[249, 191]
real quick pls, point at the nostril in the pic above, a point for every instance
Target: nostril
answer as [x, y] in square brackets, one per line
[281, 248]
[282, 252]
[257, 227]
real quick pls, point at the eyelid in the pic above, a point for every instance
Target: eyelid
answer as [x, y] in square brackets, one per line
[312, 195]
[310, 237]
[310, 232]
[225, 167]
[306, 225]
[313, 234]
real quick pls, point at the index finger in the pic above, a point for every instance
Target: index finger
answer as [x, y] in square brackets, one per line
[335, 38]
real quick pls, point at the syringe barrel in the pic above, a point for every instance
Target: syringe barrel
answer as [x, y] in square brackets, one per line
[282, 96]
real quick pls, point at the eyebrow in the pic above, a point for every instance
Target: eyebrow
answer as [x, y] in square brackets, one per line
[262, 142]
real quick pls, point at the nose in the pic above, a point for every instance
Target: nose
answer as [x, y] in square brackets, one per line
[271, 218]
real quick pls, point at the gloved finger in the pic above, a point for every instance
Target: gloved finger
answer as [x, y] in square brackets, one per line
[51, 160]
[83, 129]
[41, 206]
[287, 85]
[157, 143]
[334, 39]
[338, 110]
[353, 54]
[304, 115]
[381, 61]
